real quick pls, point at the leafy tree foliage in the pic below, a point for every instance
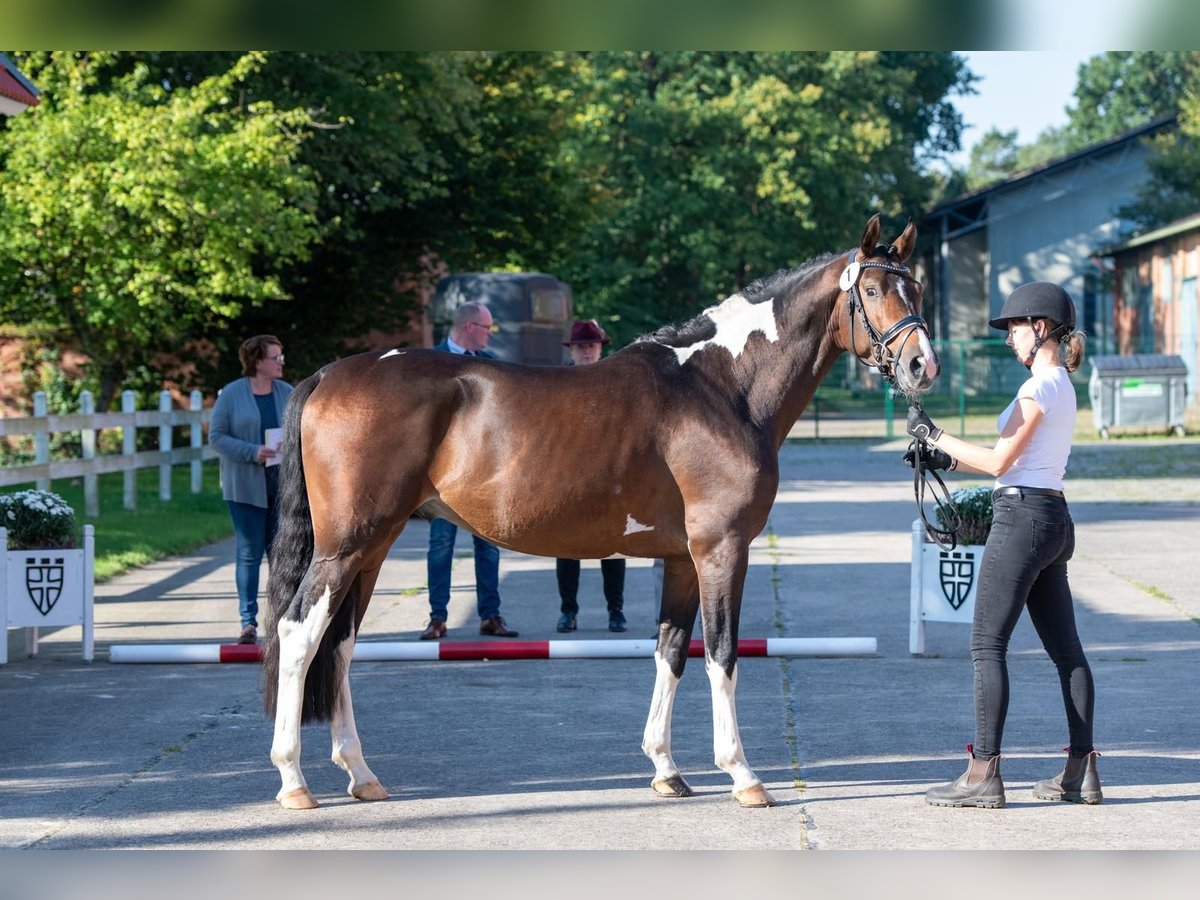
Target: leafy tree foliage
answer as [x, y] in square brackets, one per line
[386, 135]
[1123, 89]
[130, 217]
[998, 156]
[1173, 189]
[718, 168]
[993, 158]
[655, 183]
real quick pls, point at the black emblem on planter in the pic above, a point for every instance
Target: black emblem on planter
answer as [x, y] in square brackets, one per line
[44, 581]
[957, 570]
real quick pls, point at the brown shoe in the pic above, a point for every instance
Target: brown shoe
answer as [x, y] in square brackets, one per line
[495, 626]
[249, 635]
[434, 631]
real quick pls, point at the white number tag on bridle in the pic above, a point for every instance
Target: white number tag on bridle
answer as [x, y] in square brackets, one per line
[849, 276]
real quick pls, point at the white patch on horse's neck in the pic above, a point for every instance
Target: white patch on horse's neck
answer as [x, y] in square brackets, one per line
[392, 353]
[736, 319]
[633, 526]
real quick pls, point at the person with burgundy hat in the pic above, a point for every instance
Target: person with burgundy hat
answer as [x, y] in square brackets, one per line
[1025, 559]
[586, 344]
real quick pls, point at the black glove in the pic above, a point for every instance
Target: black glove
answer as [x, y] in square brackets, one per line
[921, 426]
[932, 459]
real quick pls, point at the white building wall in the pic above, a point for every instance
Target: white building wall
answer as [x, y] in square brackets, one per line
[1046, 228]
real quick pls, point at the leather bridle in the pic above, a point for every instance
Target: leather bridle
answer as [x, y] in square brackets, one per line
[882, 358]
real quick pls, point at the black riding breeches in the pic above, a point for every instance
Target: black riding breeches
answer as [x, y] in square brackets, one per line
[1025, 564]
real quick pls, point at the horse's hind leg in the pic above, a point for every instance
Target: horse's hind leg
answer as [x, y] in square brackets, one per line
[677, 616]
[347, 750]
[298, 643]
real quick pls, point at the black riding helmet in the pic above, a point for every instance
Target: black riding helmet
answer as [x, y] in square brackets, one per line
[1038, 300]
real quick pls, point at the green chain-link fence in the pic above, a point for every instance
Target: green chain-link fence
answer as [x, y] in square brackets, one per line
[978, 379]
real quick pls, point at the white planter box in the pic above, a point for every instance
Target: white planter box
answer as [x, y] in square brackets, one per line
[44, 588]
[942, 587]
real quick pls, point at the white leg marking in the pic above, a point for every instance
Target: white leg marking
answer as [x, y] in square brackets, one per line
[347, 751]
[633, 526]
[736, 319]
[298, 642]
[727, 740]
[656, 739]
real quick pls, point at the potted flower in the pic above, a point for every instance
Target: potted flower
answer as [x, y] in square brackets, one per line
[973, 506]
[943, 583]
[44, 579]
[37, 520]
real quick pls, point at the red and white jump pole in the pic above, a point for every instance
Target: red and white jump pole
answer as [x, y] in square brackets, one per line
[411, 651]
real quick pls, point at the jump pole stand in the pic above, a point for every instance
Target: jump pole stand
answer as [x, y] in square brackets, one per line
[449, 651]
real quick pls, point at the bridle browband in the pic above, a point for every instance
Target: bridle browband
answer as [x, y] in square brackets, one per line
[882, 358]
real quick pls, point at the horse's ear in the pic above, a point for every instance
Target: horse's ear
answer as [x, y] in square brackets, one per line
[870, 238]
[906, 242]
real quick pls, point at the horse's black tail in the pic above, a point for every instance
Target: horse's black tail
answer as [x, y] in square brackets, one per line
[291, 558]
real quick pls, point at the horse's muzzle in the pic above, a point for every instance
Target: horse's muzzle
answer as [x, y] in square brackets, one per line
[918, 366]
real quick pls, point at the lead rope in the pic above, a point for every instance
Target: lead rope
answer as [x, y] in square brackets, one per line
[946, 538]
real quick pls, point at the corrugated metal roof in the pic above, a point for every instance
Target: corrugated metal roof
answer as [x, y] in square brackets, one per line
[1056, 163]
[1179, 226]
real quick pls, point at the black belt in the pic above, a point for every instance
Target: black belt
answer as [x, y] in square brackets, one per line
[1022, 491]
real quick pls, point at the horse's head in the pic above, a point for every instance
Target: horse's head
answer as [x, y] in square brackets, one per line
[880, 322]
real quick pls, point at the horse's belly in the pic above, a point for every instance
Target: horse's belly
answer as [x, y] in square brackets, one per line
[579, 529]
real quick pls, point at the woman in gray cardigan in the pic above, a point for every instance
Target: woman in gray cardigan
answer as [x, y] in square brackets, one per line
[245, 411]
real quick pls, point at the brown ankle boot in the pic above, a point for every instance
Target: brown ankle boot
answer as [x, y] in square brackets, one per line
[1078, 782]
[980, 785]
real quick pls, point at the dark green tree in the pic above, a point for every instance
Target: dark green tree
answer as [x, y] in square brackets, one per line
[1123, 89]
[130, 217]
[718, 168]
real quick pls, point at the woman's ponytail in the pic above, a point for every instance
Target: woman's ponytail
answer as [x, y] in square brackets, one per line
[1074, 343]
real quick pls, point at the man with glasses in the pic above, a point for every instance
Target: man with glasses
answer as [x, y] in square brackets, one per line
[469, 333]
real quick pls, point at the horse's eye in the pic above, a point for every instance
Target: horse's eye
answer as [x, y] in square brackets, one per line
[872, 292]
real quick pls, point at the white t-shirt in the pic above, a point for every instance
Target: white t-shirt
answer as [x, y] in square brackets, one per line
[1044, 461]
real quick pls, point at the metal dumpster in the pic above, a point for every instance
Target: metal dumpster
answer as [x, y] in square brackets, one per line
[1144, 389]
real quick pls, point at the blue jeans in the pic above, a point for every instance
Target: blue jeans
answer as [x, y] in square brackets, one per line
[440, 560]
[1025, 566]
[254, 528]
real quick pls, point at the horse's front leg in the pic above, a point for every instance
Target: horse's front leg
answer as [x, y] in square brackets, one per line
[722, 572]
[677, 616]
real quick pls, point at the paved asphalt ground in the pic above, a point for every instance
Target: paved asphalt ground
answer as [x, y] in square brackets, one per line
[498, 755]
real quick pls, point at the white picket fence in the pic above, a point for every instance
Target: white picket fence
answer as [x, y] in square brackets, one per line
[129, 460]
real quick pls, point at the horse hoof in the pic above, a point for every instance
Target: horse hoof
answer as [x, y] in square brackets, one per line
[301, 798]
[754, 797]
[372, 790]
[674, 786]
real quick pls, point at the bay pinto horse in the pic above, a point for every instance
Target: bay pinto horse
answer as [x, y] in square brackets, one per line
[671, 445]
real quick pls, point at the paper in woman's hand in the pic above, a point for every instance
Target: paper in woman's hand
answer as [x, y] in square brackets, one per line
[272, 437]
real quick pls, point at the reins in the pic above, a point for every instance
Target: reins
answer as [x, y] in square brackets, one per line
[946, 538]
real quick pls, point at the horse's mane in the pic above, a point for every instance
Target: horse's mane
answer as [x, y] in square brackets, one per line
[702, 328]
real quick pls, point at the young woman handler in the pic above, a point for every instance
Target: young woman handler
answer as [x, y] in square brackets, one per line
[1025, 558]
